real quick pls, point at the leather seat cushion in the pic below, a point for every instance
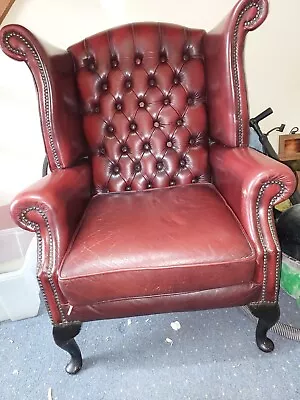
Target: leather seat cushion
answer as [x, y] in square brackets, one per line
[172, 240]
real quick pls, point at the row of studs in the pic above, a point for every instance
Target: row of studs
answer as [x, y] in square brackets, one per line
[36, 228]
[90, 62]
[115, 168]
[46, 90]
[128, 188]
[253, 21]
[274, 236]
[141, 103]
[128, 82]
[110, 129]
[236, 79]
[194, 141]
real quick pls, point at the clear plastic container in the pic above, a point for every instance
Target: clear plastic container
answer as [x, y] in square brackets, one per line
[19, 291]
[290, 276]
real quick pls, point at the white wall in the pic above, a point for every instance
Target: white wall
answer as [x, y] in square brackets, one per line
[272, 65]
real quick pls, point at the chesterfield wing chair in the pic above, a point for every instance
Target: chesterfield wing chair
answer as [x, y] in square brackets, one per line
[155, 203]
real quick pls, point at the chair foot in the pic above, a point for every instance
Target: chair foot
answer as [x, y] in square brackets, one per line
[64, 338]
[267, 316]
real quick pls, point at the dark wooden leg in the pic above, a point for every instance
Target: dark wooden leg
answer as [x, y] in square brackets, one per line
[64, 338]
[267, 316]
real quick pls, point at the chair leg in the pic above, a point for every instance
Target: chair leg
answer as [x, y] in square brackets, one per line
[267, 316]
[64, 338]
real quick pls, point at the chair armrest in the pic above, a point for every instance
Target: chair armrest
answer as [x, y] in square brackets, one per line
[224, 67]
[52, 208]
[252, 184]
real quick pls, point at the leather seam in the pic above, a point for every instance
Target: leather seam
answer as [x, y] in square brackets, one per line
[72, 239]
[238, 261]
[253, 252]
[247, 258]
[253, 285]
[133, 192]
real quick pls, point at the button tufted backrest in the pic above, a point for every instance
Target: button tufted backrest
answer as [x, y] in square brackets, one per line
[142, 88]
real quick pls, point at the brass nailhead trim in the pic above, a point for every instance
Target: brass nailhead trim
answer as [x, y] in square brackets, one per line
[68, 323]
[46, 91]
[33, 225]
[274, 236]
[235, 62]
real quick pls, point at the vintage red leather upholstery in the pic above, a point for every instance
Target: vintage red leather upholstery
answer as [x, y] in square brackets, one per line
[52, 208]
[144, 106]
[252, 187]
[155, 202]
[160, 262]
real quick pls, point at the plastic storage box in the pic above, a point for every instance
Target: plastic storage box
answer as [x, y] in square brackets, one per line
[290, 276]
[19, 291]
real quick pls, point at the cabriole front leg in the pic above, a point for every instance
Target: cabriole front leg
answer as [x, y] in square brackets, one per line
[64, 338]
[267, 316]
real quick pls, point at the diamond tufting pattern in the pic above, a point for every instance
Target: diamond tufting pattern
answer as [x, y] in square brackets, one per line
[142, 89]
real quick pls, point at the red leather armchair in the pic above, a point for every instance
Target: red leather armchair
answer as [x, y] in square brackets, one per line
[155, 203]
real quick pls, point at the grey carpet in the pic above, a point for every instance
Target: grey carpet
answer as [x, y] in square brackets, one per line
[213, 356]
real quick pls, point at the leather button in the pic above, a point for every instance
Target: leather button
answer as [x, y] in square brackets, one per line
[90, 63]
[96, 110]
[105, 189]
[133, 126]
[192, 141]
[186, 57]
[124, 149]
[156, 124]
[163, 57]
[169, 144]
[147, 146]
[116, 169]
[179, 122]
[114, 62]
[159, 165]
[128, 84]
[137, 167]
[128, 188]
[172, 182]
[176, 80]
[195, 180]
[118, 106]
[91, 66]
[101, 151]
[149, 185]
[167, 101]
[182, 163]
[104, 86]
[142, 104]
[138, 60]
[152, 82]
[190, 100]
[110, 129]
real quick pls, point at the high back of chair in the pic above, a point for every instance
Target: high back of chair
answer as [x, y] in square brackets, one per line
[142, 89]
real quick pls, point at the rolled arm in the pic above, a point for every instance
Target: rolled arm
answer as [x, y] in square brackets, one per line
[252, 184]
[52, 208]
[224, 64]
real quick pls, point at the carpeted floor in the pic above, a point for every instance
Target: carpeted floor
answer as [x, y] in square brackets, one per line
[212, 356]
